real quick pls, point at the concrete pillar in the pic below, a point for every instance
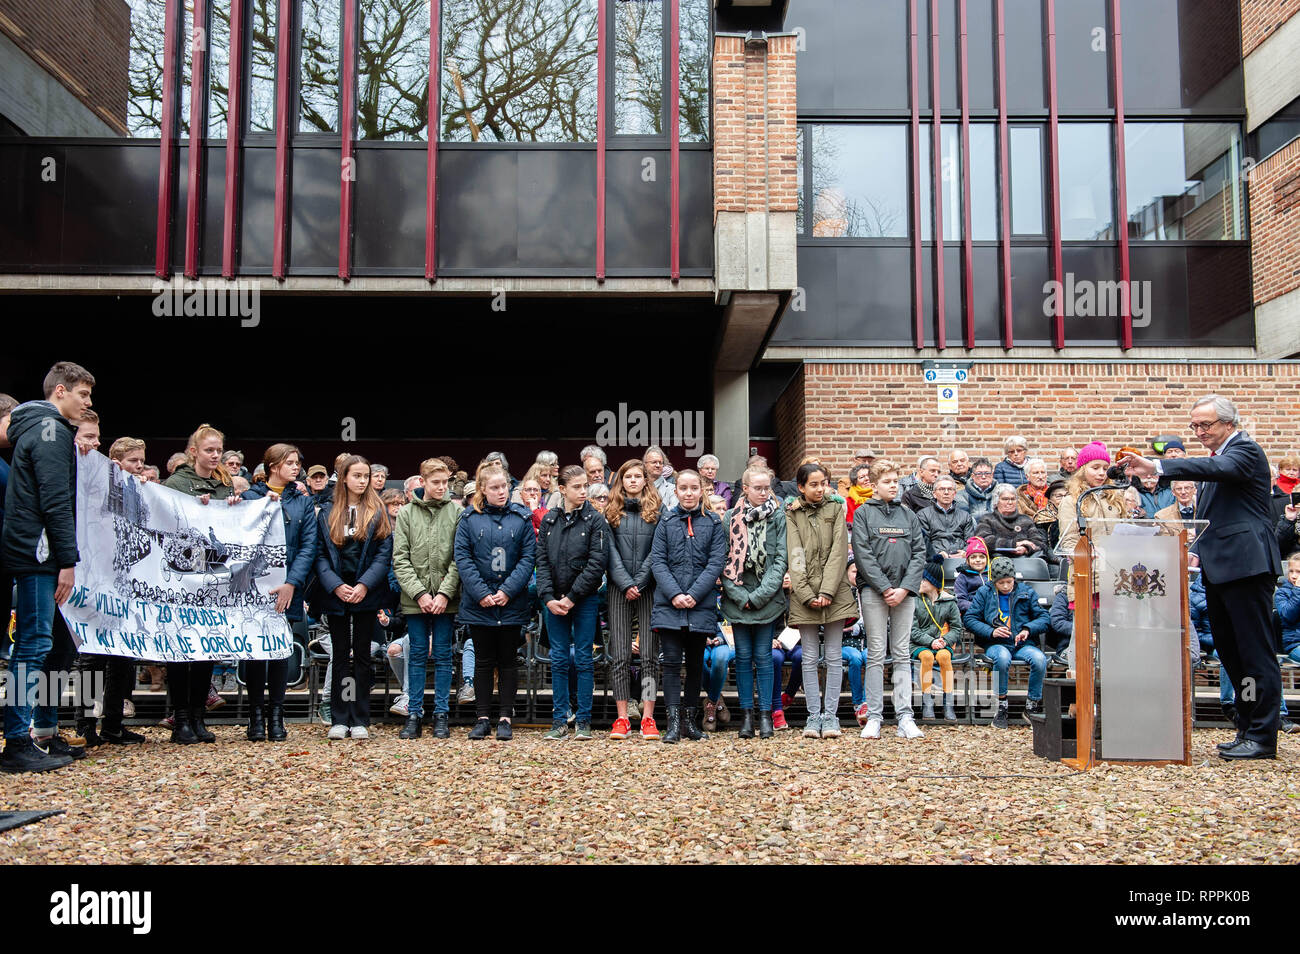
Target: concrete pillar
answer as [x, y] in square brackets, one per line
[731, 422]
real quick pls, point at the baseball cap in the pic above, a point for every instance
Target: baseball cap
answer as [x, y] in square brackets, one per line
[315, 469]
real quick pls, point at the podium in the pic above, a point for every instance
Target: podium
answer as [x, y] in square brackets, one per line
[1133, 678]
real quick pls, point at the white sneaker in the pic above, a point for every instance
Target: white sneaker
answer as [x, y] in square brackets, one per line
[338, 732]
[400, 704]
[908, 729]
[128, 709]
[360, 732]
[872, 731]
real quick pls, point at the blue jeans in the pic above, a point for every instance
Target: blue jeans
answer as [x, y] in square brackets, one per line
[423, 629]
[752, 640]
[716, 660]
[1000, 656]
[577, 629]
[854, 661]
[467, 662]
[779, 657]
[32, 643]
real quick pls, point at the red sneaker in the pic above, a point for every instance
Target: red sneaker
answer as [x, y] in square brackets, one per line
[648, 728]
[786, 699]
[778, 720]
[621, 728]
[861, 713]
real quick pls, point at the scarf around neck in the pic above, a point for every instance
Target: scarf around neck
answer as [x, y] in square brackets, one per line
[747, 538]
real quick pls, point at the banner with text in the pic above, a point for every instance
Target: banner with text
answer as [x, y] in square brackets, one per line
[164, 577]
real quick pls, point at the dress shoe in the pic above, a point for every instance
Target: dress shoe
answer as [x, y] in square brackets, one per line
[1249, 749]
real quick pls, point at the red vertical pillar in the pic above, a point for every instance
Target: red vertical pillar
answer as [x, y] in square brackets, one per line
[967, 249]
[1054, 177]
[936, 201]
[1121, 184]
[435, 131]
[1004, 182]
[234, 139]
[918, 326]
[198, 43]
[674, 157]
[167, 143]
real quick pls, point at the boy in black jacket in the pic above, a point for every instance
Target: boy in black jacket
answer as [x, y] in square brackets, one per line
[40, 548]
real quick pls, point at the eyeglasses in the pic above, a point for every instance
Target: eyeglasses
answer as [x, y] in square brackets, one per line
[601, 497]
[1197, 427]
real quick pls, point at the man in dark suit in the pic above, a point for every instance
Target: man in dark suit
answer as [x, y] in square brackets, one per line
[1239, 563]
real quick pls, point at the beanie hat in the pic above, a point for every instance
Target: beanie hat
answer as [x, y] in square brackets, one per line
[976, 545]
[1000, 568]
[1094, 451]
[1162, 444]
[933, 574]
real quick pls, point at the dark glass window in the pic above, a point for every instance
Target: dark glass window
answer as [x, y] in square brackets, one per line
[1082, 55]
[318, 68]
[144, 75]
[1025, 44]
[949, 183]
[261, 84]
[393, 70]
[983, 182]
[1181, 55]
[694, 57]
[1025, 166]
[834, 70]
[981, 53]
[1183, 181]
[519, 70]
[219, 69]
[638, 67]
[860, 181]
[1087, 184]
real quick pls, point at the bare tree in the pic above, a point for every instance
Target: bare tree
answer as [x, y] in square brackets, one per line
[393, 69]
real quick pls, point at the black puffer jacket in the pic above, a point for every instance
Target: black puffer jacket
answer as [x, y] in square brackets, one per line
[1004, 533]
[572, 552]
[629, 553]
[40, 526]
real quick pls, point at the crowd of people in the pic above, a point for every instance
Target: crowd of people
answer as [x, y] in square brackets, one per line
[681, 575]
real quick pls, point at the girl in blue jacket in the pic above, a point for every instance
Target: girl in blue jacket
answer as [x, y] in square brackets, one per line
[687, 556]
[356, 548]
[281, 463]
[495, 556]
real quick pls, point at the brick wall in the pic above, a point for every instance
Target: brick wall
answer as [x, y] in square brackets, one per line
[739, 162]
[1259, 18]
[83, 43]
[830, 409]
[1275, 223]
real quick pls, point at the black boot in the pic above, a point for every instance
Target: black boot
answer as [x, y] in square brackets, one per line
[690, 728]
[746, 723]
[673, 733]
[412, 728]
[196, 721]
[22, 755]
[86, 729]
[275, 729]
[257, 724]
[765, 730]
[440, 730]
[182, 731]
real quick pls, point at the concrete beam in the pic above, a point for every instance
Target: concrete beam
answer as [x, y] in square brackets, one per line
[1117, 354]
[1272, 79]
[746, 322]
[731, 422]
[1277, 326]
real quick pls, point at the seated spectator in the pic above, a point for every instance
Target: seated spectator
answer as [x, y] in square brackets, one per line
[858, 491]
[959, 467]
[393, 501]
[1184, 505]
[1048, 518]
[1133, 504]
[936, 635]
[1068, 462]
[718, 654]
[239, 484]
[976, 497]
[1288, 477]
[1154, 498]
[919, 493]
[972, 574]
[1031, 496]
[781, 656]
[1011, 469]
[411, 484]
[708, 469]
[1287, 602]
[598, 494]
[1288, 540]
[716, 504]
[596, 465]
[1006, 620]
[946, 526]
[1008, 532]
[1060, 622]
[864, 456]
[530, 496]
[175, 461]
[1170, 446]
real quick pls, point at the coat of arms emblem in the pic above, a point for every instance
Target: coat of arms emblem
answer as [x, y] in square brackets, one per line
[1139, 582]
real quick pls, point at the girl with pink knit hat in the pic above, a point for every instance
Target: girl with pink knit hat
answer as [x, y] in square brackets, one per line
[1093, 462]
[973, 574]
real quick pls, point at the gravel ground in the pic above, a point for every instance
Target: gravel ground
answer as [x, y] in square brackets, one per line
[724, 800]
